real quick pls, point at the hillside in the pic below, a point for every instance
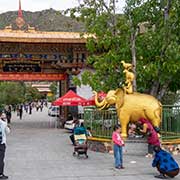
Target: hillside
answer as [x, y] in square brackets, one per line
[46, 20]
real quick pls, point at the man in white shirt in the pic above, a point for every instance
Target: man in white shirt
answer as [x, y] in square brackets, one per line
[4, 129]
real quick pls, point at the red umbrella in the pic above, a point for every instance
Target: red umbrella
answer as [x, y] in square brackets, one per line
[91, 101]
[70, 99]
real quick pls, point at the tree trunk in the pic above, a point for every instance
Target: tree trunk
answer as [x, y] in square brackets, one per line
[133, 53]
[163, 90]
[154, 88]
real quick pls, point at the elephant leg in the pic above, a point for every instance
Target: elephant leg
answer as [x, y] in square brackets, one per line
[124, 120]
[154, 118]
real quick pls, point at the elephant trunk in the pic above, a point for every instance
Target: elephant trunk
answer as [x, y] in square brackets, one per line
[102, 104]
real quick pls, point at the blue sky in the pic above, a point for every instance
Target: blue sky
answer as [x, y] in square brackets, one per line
[37, 5]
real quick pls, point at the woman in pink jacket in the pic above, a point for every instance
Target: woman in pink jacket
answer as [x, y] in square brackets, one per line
[118, 144]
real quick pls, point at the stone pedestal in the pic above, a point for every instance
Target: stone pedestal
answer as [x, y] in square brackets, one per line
[132, 146]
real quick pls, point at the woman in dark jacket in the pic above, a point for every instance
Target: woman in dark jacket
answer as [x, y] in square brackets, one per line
[165, 163]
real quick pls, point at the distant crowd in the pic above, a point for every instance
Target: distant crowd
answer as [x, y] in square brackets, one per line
[26, 107]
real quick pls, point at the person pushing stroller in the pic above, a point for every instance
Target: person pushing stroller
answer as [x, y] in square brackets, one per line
[80, 140]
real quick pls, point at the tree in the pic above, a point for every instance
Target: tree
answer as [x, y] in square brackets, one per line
[53, 88]
[16, 93]
[115, 37]
[107, 47]
[158, 47]
[32, 94]
[11, 93]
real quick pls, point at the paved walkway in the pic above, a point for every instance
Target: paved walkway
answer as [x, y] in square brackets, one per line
[37, 152]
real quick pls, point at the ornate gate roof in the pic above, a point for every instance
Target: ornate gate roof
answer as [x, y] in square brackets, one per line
[9, 35]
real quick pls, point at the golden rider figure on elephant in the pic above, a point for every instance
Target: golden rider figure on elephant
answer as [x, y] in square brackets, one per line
[128, 87]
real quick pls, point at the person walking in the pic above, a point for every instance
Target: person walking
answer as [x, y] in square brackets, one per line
[26, 107]
[20, 111]
[4, 129]
[41, 105]
[165, 164]
[76, 124]
[8, 115]
[30, 108]
[152, 135]
[118, 144]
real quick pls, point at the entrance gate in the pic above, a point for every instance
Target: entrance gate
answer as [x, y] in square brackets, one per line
[41, 56]
[32, 55]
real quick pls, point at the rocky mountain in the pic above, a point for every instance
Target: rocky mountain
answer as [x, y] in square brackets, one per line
[46, 20]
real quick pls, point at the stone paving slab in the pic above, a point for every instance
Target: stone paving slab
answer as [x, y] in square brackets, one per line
[37, 151]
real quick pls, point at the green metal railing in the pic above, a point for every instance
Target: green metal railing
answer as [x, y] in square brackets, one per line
[170, 127]
[102, 122]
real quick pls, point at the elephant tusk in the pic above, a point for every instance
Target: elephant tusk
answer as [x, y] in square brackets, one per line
[107, 105]
[94, 92]
[103, 107]
[101, 103]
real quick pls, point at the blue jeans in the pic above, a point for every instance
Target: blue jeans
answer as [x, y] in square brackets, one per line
[118, 155]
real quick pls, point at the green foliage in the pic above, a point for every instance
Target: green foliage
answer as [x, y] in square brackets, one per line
[157, 48]
[107, 47]
[15, 93]
[32, 94]
[171, 98]
[51, 98]
[53, 88]
[76, 81]
[11, 93]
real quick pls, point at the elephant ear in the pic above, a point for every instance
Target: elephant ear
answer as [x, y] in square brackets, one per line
[120, 98]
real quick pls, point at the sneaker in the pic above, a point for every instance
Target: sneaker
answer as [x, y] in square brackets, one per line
[122, 167]
[149, 156]
[161, 176]
[118, 167]
[3, 176]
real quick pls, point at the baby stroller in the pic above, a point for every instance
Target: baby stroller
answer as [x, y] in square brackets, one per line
[80, 146]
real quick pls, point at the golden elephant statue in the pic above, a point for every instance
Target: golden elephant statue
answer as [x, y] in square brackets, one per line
[132, 107]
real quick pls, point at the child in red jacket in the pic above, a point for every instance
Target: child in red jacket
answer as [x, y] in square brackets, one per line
[118, 144]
